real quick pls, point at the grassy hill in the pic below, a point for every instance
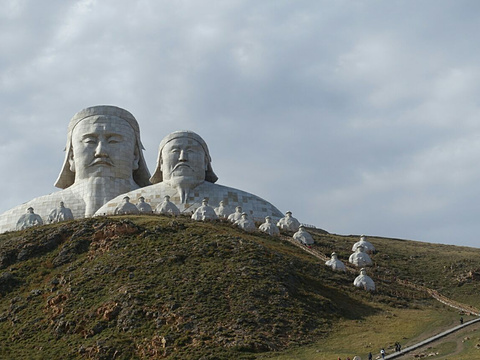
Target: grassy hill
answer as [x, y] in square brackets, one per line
[141, 287]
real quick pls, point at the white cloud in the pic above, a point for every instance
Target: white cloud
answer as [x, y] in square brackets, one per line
[357, 116]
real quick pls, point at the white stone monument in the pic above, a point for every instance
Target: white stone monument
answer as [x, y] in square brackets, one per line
[303, 236]
[143, 206]
[367, 246]
[360, 258]
[126, 207]
[222, 211]
[245, 223]
[184, 172]
[335, 263]
[104, 159]
[204, 212]
[237, 215]
[288, 222]
[167, 207]
[364, 281]
[269, 228]
[59, 214]
[28, 220]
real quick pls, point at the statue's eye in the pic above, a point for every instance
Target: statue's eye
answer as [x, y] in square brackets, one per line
[89, 140]
[114, 139]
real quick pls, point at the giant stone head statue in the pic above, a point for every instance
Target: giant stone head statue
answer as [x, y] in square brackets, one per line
[103, 141]
[183, 154]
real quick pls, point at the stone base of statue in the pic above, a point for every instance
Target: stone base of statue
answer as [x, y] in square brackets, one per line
[256, 207]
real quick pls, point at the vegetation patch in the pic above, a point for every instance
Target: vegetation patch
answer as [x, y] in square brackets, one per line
[139, 287]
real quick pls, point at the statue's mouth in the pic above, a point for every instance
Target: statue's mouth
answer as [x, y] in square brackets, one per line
[182, 165]
[101, 161]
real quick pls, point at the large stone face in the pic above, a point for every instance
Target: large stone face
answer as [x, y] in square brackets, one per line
[184, 173]
[104, 163]
[103, 159]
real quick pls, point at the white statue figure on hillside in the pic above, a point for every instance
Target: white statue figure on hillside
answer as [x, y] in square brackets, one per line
[268, 227]
[303, 237]
[245, 223]
[60, 214]
[104, 159]
[364, 281]
[335, 263]
[237, 215]
[167, 207]
[126, 207]
[360, 258]
[143, 207]
[288, 222]
[367, 246]
[222, 211]
[28, 220]
[204, 212]
[184, 172]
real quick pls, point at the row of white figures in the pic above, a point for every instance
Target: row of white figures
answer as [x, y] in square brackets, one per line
[142, 207]
[63, 213]
[204, 212]
[361, 281]
[359, 258]
[287, 223]
[362, 249]
[56, 215]
[240, 218]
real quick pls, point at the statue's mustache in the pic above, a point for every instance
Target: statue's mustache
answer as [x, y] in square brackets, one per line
[101, 161]
[182, 164]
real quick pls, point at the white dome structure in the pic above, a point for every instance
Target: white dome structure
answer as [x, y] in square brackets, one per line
[367, 246]
[360, 258]
[302, 236]
[364, 281]
[204, 212]
[335, 264]
[288, 222]
[269, 228]
[245, 223]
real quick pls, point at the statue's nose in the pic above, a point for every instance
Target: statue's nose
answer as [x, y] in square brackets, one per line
[183, 156]
[101, 149]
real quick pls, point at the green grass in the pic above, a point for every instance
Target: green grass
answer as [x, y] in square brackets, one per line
[350, 338]
[109, 288]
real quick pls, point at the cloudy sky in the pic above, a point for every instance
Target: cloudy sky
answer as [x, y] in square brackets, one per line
[359, 116]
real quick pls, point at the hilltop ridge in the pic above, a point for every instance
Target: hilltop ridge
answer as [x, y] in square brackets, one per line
[139, 287]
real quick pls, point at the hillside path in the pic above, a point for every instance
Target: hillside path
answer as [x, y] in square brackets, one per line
[433, 293]
[352, 269]
[431, 339]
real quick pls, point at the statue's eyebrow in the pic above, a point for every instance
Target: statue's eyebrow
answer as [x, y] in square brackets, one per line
[90, 135]
[107, 135]
[116, 135]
